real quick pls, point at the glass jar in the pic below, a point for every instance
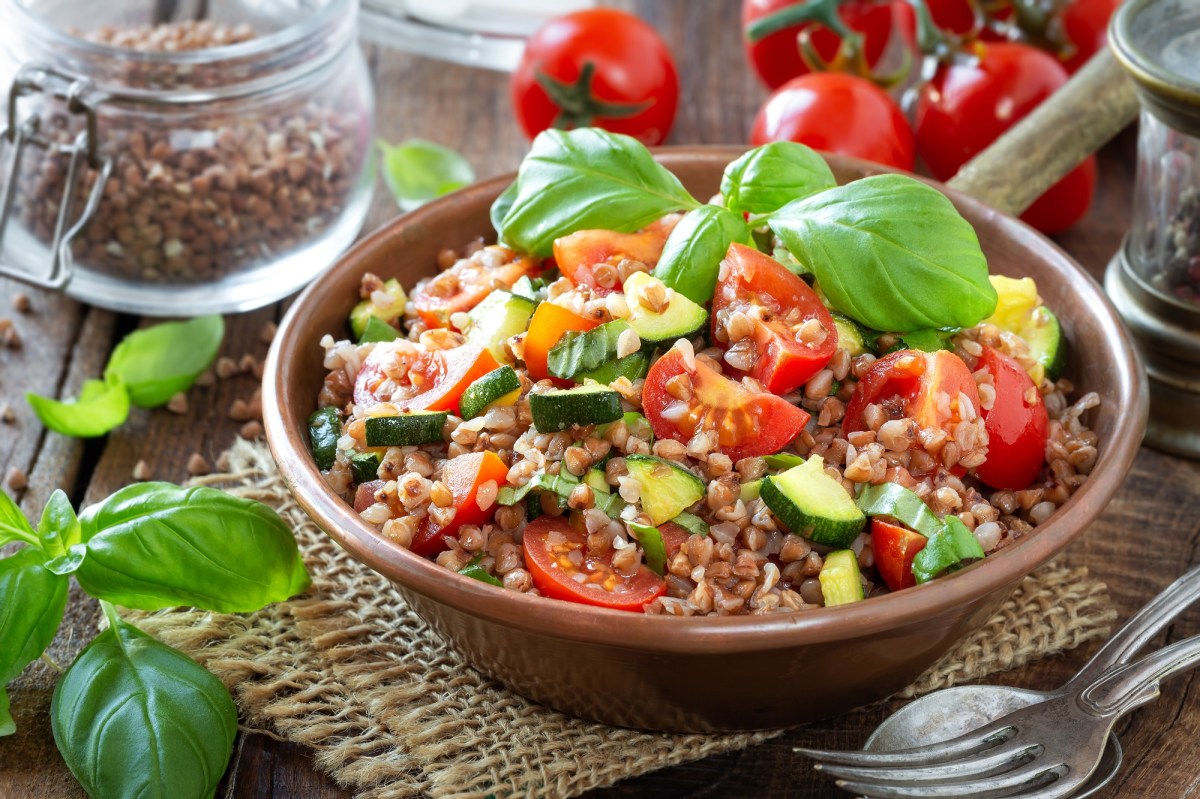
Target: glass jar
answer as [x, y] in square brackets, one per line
[187, 167]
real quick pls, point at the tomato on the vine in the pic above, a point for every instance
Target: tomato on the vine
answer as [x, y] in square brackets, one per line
[837, 113]
[1085, 23]
[1016, 424]
[967, 106]
[776, 57]
[600, 67]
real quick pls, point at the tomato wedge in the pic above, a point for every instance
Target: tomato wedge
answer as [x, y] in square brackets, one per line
[435, 382]
[463, 476]
[673, 536]
[557, 559]
[747, 424]
[464, 285]
[364, 495]
[752, 282]
[1016, 427]
[894, 549]
[923, 386]
[547, 326]
[577, 254]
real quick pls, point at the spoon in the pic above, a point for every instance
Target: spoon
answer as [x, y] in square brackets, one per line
[948, 713]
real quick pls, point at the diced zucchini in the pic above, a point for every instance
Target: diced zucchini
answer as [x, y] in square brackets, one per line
[367, 310]
[597, 479]
[652, 546]
[532, 288]
[556, 410]
[378, 330]
[560, 486]
[812, 504]
[948, 550]
[407, 429]
[783, 460]
[324, 429]
[840, 583]
[1019, 310]
[692, 523]
[499, 317]
[853, 337]
[635, 423]
[682, 318]
[898, 502]
[580, 352]
[667, 487]
[750, 490]
[365, 466]
[632, 367]
[497, 387]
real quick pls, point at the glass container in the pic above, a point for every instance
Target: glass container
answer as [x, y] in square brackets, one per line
[175, 158]
[1154, 280]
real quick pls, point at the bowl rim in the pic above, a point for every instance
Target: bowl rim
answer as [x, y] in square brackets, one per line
[702, 634]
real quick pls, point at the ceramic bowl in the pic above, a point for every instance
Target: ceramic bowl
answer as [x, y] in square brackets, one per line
[700, 674]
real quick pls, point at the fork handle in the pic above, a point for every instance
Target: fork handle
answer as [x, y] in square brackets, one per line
[1135, 684]
[1141, 627]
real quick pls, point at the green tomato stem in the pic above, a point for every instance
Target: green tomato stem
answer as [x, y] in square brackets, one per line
[823, 11]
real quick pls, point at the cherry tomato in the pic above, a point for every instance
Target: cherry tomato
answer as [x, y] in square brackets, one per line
[673, 536]
[751, 281]
[746, 423]
[579, 253]
[547, 326]
[953, 16]
[434, 382]
[464, 476]
[923, 386]
[464, 285]
[967, 106]
[1016, 427]
[1085, 23]
[837, 113]
[894, 548]
[600, 67]
[776, 57]
[550, 541]
[364, 495]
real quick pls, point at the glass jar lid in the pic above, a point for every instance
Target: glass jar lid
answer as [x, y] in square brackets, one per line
[1158, 42]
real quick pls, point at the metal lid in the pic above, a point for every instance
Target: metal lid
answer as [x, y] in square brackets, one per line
[1158, 41]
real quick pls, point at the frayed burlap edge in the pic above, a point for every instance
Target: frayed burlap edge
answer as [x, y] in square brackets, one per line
[390, 712]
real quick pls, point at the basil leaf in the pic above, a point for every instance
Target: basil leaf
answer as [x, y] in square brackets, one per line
[771, 176]
[577, 352]
[692, 523]
[102, 406]
[61, 535]
[583, 179]
[890, 252]
[692, 255]
[158, 362]
[500, 208]
[32, 601]
[157, 545]
[133, 717]
[13, 524]
[652, 546]
[477, 572]
[929, 340]
[418, 171]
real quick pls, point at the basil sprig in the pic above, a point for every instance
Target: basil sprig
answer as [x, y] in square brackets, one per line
[146, 369]
[132, 716]
[692, 255]
[418, 171]
[769, 177]
[581, 179]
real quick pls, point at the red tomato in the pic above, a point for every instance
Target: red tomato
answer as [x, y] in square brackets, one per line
[673, 536]
[577, 254]
[776, 57]
[364, 495]
[463, 475]
[600, 67]
[547, 326]
[967, 106]
[1085, 23]
[464, 285]
[549, 542]
[753, 280]
[435, 382]
[837, 113]
[923, 386]
[955, 16]
[1016, 428]
[747, 424]
[894, 549]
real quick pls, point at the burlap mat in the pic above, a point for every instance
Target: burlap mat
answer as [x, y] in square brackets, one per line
[350, 671]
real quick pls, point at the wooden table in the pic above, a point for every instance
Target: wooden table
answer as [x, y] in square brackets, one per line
[1149, 534]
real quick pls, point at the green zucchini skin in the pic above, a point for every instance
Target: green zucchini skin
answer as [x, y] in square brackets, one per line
[407, 429]
[486, 390]
[324, 430]
[557, 410]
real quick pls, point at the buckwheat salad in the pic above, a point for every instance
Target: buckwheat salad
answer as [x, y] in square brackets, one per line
[795, 395]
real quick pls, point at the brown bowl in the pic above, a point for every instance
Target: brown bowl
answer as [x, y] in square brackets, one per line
[699, 674]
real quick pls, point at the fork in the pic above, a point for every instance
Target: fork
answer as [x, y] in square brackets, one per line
[1044, 751]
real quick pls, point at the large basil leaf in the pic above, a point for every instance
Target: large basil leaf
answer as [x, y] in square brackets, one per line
[769, 177]
[13, 524]
[133, 717]
[101, 406]
[692, 255]
[157, 545]
[32, 601]
[61, 534]
[418, 171]
[583, 179]
[500, 208]
[890, 252]
[160, 361]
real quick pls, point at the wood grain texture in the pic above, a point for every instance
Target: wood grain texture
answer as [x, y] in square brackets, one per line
[1149, 534]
